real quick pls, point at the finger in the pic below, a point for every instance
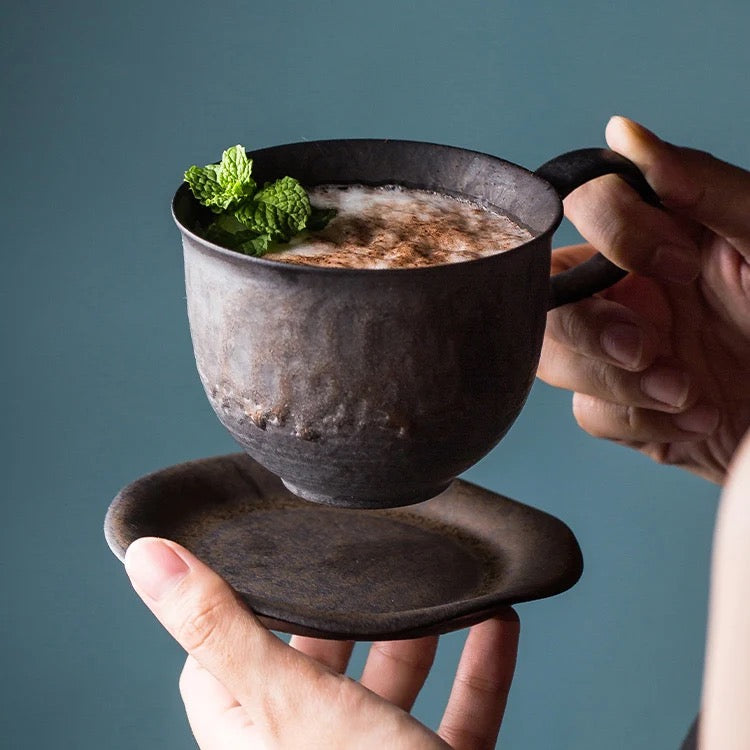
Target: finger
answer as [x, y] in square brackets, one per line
[604, 419]
[217, 720]
[693, 183]
[606, 331]
[334, 655]
[397, 670]
[642, 295]
[636, 236]
[664, 386]
[566, 257]
[197, 682]
[480, 691]
[205, 616]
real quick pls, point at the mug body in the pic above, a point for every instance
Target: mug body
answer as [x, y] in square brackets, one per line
[373, 388]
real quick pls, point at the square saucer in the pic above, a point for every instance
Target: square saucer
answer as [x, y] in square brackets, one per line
[330, 572]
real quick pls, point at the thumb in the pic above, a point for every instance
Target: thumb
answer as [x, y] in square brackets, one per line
[692, 183]
[208, 620]
[291, 699]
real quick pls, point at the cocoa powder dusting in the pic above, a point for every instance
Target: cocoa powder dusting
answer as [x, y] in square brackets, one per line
[393, 227]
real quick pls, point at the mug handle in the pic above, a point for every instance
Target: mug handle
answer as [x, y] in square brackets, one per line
[567, 172]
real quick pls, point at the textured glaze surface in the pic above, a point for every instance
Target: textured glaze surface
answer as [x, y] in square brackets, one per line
[373, 388]
[332, 572]
[379, 385]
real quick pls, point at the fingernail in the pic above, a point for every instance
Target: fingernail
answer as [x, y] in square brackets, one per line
[154, 567]
[702, 419]
[624, 343]
[666, 384]
[676, 263]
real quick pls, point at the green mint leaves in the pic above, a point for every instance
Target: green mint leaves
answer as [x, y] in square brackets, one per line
[252, 220]
[280, 210]
[223, 186]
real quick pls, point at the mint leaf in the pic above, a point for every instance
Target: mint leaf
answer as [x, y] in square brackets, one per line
[286, 200]
[234, 177]
[204, 183]
[251, 220]
[214, 233]
[288, 195]
[224, 186]
[229, 223]
[256, 245]
[319, 218]
[281, 210]
[228, 232]
[219, 236]
[256, 219]
[236, 167]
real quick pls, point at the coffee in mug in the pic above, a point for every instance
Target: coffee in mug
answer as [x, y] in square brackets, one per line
[392, 226]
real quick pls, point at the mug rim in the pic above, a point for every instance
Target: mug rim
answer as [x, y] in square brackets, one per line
[238, 257]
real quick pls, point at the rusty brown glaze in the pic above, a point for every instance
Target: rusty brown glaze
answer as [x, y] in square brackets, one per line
[377, 387]
[332, 572]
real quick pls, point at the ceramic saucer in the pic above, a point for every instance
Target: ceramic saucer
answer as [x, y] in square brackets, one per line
[330, 572]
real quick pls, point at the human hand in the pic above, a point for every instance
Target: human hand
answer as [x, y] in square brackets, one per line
[725, 720]
[245, 688]
[661, 361]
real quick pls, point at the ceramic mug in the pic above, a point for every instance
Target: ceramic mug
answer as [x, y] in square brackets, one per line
[377, 387]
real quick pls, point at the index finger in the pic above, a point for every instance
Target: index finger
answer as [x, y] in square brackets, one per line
[636, 236]
[476, 705]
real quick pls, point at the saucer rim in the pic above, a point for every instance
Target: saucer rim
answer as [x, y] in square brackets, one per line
[406, 623]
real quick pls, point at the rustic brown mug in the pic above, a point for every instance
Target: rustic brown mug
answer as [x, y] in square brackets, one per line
[376, 388]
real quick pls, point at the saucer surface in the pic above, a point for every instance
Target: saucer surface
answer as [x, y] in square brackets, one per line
[330, 572]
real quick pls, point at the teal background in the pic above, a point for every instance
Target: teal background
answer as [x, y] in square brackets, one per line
[103, 105]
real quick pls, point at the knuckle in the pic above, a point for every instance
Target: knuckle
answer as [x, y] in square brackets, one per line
[606, 381]
[631, 420]
[483, 685]
[618, 236]
[415, 661]
[552, 362]
[583, 202]
[582, 413]
[573, 326]
[458, 735]
[570, 325]
[659, 453]
[276, 704]
[343, 693]
[199, 627]
[595, 417]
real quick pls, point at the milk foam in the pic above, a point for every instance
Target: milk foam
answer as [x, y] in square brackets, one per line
[396, 227]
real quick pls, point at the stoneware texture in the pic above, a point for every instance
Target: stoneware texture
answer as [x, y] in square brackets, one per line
[331, 572]
[376, 388]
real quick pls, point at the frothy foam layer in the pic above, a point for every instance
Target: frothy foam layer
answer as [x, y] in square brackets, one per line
[396, 227]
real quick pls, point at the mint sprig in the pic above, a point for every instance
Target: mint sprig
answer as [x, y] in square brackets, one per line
[251, 220]
[224, 186]
[281, 209]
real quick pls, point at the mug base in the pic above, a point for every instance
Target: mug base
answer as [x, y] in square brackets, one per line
[384, 499]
